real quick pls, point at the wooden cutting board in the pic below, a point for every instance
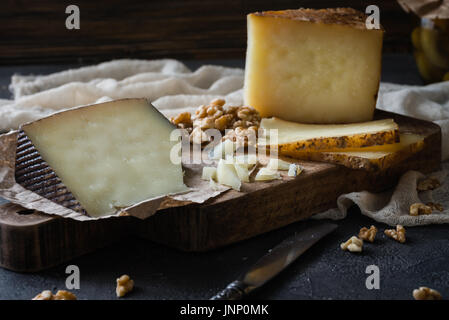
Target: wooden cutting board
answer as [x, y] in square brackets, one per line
[32, 241]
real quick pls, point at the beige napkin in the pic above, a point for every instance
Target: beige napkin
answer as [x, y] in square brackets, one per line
[174, 88]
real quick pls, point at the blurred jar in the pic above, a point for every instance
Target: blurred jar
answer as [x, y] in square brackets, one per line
[431, 49]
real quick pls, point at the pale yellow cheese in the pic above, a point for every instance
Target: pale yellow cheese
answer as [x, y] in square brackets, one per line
[368, 158]
[278, 164]
[312, 66]
[227, 175]
[110, 155]
[265, 174]
[309, 137]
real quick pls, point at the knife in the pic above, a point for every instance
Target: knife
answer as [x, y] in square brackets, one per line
[276, 260]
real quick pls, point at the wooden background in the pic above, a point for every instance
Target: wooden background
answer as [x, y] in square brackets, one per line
[35, 32]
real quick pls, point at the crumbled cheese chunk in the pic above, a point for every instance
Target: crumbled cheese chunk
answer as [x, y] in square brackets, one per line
[265, 174]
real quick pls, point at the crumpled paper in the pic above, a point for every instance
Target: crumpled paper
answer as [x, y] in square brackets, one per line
[173, 88]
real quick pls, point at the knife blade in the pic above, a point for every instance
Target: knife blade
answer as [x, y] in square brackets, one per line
[276, 260]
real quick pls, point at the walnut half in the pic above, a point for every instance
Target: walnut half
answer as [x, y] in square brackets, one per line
[424, 293]
[368, 234]
[428, 184]
[354, 244]
[417, 209]
[60, 295]
[435, 206]
[124, 285]
[398, 234]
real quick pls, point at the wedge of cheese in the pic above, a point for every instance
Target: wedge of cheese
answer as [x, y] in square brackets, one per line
[109, 155]
[312, 66]
[370, 158]
[294, 137]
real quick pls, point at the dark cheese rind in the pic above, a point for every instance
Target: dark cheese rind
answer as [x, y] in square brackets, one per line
[34, 174]
[340, 16]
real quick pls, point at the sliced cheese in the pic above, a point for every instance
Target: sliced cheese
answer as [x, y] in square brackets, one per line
[312, 66]
[227, 175]
[278, 164]
[209, 173]
[295, 137]
[242, 172]
[266, 174]
[247, 160]
[294, 170]
[369, 158]
[109, 155]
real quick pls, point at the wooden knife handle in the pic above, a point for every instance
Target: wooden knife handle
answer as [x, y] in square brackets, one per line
[234, 291]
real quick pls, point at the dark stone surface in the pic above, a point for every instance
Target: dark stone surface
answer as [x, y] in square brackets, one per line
[323, 272]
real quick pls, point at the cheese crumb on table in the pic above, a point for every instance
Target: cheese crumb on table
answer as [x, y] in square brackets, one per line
[294, 170]
[278, 164]
[266, 174]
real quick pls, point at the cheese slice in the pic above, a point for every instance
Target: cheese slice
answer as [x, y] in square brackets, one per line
[370, 158]
[109, 155]
[312, 66]
[298, 137]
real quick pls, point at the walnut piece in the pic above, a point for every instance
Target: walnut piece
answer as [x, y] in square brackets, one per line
[424, 293]
[398, 234]
[242, 136]
[354, 244]
[428, 184]
[60, 295]
[368, 234]
[420, 208]
[215, 116]
[124, 285]
[435, 206]
[183, 121]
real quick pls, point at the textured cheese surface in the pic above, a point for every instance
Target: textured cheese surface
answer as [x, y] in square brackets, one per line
[377, 152]
[311, 71]
[289, 132]
[109, 155]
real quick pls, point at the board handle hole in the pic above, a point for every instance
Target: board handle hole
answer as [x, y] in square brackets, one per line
[25, 212]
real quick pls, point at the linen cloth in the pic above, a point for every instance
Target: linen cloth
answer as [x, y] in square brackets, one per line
[174, 88]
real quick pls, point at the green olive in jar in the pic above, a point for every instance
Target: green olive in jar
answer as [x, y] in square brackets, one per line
[431, 49]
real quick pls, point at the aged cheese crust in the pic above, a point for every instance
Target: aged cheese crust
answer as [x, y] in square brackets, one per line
[342, 16]
[296, 137]
[371, 158]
